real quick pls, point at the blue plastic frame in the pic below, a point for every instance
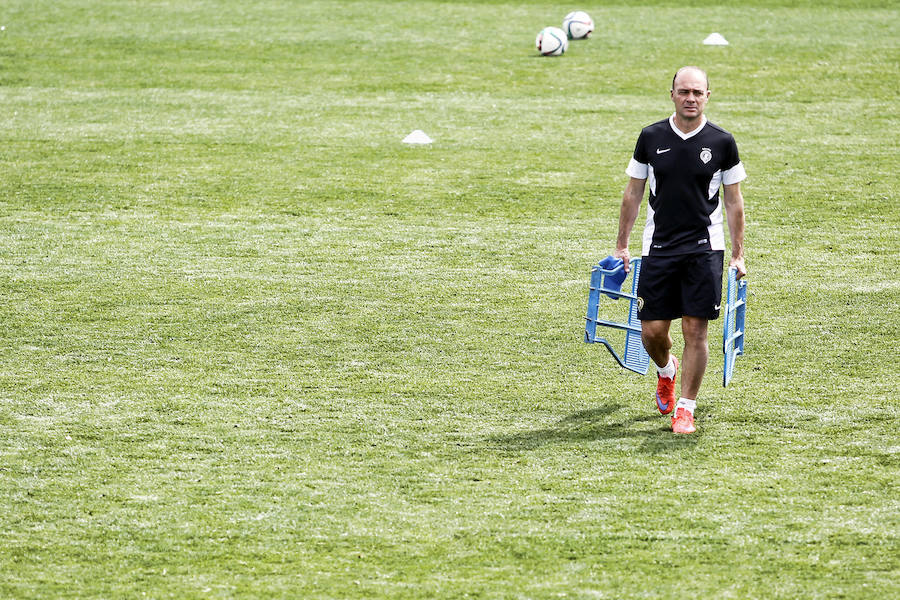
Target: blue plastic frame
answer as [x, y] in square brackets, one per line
[735, 324]
[608, 282]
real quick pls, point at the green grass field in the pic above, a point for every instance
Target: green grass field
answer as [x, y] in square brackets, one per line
[253, 346]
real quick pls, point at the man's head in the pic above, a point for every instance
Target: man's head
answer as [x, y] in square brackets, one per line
[690, 92]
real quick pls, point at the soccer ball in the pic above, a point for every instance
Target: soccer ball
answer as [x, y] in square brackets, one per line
[578, 25]
[551, 41]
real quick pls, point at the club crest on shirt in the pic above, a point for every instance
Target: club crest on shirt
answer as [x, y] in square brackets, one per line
[706, 155]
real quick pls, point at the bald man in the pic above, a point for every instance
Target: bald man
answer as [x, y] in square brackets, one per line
[686, 159]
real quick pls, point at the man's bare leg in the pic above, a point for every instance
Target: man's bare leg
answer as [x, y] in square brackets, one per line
[695, 356]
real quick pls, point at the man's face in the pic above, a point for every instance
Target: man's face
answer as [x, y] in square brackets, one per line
[690, 95]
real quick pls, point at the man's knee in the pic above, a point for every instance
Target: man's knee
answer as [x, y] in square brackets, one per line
[654, 332]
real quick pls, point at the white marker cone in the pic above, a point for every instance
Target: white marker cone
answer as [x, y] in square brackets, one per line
[417, 137]
[715, 39]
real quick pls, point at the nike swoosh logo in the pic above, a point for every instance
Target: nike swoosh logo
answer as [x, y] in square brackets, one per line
[662, 407]
[658, 151]
[718, 306]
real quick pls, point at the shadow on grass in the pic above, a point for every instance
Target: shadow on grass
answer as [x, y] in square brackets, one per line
[598, 425]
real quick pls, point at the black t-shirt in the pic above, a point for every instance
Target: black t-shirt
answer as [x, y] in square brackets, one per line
[684, 172]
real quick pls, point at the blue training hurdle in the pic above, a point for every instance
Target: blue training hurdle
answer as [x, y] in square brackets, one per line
[733, 328]
[606, 278]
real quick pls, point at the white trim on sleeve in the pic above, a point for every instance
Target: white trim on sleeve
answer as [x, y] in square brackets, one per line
[637, 169]
[735, 174]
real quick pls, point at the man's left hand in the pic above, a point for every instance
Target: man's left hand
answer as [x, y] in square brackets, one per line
[738, 263]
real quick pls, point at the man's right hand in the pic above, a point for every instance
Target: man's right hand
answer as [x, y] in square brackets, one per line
[622, 254]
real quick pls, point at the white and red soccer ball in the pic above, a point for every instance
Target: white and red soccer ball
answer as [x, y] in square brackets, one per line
[578, 25]
[552, 41]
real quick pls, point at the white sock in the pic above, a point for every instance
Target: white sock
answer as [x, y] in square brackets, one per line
[687, 404]
[667, 371]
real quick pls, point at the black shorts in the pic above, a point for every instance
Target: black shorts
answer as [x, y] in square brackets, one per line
[671, 287]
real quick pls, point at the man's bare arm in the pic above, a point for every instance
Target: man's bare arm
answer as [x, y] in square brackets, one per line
[631, 206]
[734, 210]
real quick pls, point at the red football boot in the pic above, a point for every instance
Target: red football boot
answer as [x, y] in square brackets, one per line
[683, 421]
[665, 391]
